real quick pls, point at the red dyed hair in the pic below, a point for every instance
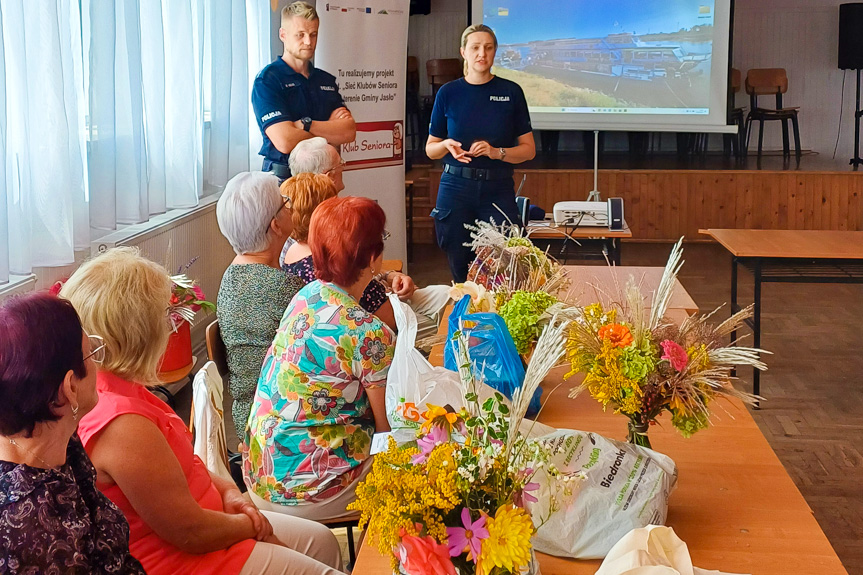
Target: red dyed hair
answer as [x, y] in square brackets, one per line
[344, 235]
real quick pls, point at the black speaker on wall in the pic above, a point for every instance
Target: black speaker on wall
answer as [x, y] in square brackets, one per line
[851, 36]
[420, 7]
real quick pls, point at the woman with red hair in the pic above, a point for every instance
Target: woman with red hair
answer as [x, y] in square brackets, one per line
[320, 397]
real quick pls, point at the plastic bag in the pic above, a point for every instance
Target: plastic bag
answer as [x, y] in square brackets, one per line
[625, 487]
[491, 348]
[412, 382]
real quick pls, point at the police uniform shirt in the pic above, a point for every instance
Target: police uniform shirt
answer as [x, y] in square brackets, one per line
[495, 112]
[280, 94]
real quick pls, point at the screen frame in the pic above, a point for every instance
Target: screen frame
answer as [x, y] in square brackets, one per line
[716, 121]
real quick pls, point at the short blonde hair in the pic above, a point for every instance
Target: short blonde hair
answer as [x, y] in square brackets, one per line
[476, 28]
[306, 191]
[299, 8]
[123, 297]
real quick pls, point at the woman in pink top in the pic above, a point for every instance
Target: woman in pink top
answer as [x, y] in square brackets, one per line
[182, 519]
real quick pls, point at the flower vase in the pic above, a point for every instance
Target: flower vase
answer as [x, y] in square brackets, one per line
[178, 353]
[531, 569]
[637, 434]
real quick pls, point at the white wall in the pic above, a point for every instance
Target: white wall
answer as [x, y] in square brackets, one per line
[802, 37]
[798, 35]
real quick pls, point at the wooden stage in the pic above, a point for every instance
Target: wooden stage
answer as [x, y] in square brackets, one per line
[665, 197]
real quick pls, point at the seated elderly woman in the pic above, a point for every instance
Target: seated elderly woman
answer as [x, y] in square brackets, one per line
[256, 220]
[52, 517]
[306, 191]
[320, 397]
[182, 518]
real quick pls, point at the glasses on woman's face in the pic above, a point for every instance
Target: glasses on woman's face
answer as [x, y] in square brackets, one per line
[285, 204]
[385, 236]
[97, 348]
[338, 167]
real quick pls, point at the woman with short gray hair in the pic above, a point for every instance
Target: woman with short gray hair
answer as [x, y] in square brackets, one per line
[256, 220]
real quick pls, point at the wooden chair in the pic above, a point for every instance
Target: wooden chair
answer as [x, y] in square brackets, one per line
[216, 348]
[767, 82]
[413, 125]
[441, 71]
[737, 116]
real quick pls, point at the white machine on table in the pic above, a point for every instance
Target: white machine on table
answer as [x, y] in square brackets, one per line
[608, 214]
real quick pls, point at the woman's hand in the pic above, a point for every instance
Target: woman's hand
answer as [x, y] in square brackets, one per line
[455, 149]
[483, 148]
[235, 504]
[402, 285]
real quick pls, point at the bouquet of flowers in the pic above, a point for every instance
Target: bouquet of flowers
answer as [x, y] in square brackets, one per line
[513, 278]
[456, 501]
[643, 365]
[187, 298]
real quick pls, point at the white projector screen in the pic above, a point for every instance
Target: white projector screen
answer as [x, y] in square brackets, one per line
[635, 65]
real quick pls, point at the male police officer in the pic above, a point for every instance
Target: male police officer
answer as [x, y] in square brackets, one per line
[293, 100]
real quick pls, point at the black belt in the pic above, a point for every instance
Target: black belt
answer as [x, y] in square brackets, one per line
[478, 173]
[281, 171]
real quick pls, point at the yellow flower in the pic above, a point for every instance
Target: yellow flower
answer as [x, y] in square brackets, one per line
[508, 542]
[436, 415]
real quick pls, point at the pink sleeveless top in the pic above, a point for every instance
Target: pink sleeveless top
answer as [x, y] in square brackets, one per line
[119, 397]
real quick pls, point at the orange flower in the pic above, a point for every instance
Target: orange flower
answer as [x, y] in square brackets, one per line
[424, 556]
[436, 415]
[619, 335]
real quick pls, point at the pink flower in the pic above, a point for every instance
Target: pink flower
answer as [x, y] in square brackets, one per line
[522, 498]
[675, 355]
[199, 293]
[424, 556]
[468, 538]
[437, 436]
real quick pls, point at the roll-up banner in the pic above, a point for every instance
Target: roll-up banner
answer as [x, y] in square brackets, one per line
[363, 43]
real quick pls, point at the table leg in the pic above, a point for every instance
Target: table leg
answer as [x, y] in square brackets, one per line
[410, 223]
[615, 251]
[756, 322]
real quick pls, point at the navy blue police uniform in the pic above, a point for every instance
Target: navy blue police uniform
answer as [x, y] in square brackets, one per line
[280, 94]
[495, 112]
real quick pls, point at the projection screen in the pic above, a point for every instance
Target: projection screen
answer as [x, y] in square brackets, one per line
[635, 65]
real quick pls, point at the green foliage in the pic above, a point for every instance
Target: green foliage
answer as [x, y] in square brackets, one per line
[687, 425]
[637, 362]
[521, 314]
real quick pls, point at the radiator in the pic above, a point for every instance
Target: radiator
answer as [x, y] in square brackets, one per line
[176, 238]
[17, 285]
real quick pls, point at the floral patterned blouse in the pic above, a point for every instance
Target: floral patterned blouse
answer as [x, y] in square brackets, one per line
[374, 296]
[311, 423]
[56, 521]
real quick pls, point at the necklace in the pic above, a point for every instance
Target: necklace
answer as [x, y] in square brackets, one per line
[19, 446]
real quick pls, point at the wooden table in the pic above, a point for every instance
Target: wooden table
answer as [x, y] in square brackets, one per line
[735, 505]
[789, 256]
[608, 239]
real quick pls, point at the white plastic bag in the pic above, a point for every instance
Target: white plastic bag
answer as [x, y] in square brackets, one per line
[625, 487]
[413, 383]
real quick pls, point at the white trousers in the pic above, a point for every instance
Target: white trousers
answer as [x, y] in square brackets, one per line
[309, 549]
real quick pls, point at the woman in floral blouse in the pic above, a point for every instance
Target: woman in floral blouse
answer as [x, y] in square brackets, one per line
[320, 397]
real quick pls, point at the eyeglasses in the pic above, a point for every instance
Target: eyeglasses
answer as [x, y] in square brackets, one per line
[385, 236]
[97, 349]
[286, 204]
[340, 166]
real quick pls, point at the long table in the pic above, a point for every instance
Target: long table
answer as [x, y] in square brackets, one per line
[735, 505]
[609, 240]
[789, 256]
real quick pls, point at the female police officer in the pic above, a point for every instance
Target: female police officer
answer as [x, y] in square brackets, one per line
[480, 126]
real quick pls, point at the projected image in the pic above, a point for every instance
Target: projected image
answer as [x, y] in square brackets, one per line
[613, 56]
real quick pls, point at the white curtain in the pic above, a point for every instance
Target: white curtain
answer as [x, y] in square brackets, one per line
[112, 111]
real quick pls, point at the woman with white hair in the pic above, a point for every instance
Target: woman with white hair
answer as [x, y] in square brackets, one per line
[256, 220]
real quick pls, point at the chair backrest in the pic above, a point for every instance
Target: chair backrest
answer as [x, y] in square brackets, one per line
[441, 71]
[735, 80]
[413, 75]
[761, 81]
[216, 348]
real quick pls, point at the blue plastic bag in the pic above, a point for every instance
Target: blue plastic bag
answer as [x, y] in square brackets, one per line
[491, 348]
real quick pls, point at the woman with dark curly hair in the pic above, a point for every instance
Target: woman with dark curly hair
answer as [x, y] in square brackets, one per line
[320, 397]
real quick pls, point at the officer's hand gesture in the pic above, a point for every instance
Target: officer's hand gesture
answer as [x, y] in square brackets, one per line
[456, 150]
[480, 148]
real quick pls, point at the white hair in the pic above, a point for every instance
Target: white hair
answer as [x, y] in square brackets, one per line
[312, 156]
[247, 206]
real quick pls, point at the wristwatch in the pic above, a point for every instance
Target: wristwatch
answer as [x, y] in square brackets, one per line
[307, 123]
[502, 154]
